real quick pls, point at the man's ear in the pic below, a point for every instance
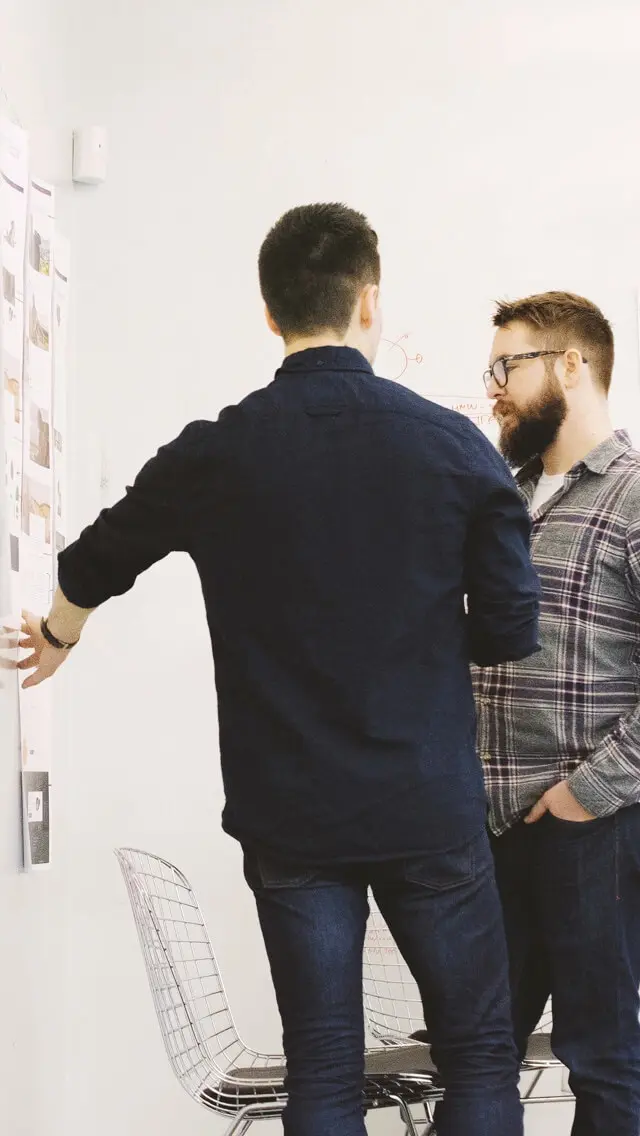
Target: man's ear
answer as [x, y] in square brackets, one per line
[271, 323]
[572, 367]
[369, 304]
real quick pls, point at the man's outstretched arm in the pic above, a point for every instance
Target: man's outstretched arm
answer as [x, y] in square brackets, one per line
[62, 626]
[153, 519]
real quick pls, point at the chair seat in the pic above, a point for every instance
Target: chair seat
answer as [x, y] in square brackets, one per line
[386, 1070]
[539, 1053]
[261, 1087]
[400, 1070]
[398, 1060]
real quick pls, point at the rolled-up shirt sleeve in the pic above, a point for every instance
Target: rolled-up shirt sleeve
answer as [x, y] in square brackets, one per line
[154, 518]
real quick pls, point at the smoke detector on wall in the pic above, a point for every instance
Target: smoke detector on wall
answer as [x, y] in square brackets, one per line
[90, 155]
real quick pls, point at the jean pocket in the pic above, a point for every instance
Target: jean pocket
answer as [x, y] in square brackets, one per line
[265, 871]
[578, 825]
[444, 871]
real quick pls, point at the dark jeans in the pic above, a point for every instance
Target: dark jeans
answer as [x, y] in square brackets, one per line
[571, 899]
[444, 913]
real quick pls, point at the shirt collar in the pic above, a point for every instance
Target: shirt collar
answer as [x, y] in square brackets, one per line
[327, 359]
[599, 460]
[604, 455]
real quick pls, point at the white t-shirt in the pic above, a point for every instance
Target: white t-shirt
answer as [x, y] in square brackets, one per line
[548, 484]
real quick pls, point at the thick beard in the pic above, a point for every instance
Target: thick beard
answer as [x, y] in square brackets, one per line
[536, 428]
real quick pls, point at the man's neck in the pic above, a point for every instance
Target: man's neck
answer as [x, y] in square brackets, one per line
[577, 438]
[307, 343]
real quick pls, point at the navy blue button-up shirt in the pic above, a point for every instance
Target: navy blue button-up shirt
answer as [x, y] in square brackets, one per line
[337, 522]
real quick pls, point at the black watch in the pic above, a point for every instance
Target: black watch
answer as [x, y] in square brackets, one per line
[51, 638]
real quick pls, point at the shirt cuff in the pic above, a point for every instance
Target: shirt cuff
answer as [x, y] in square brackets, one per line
[593, 791]
[75, 589]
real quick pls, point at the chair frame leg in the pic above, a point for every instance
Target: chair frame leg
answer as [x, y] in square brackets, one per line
[428, 1111]
[239, 1126]
[537, 1076]
[247, 1116]
[405, 1113]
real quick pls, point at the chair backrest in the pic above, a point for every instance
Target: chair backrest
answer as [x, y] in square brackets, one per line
[192, 1007]
[392, 1003]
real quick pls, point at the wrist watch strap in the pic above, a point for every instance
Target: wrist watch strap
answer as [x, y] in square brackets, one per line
[52, 640]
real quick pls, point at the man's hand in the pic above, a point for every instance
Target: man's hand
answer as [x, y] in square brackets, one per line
[44, 659]
[561, 803]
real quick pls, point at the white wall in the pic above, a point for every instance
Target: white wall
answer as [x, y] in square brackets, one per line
[494, 147]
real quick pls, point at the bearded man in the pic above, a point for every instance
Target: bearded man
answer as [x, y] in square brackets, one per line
[559, 733]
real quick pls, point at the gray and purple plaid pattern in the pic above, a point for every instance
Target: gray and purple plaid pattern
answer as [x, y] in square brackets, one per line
[573, 710]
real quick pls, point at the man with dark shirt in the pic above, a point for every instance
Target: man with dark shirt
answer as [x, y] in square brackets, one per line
[337, 522]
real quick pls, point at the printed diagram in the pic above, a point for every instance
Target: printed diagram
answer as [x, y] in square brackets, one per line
[36, 510]
[11, 370]
[39, 436]
[393, 358]
[40, 253]
[9, 286]
[9, 234]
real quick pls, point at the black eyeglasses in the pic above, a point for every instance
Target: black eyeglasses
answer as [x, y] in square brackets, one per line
[499, 371]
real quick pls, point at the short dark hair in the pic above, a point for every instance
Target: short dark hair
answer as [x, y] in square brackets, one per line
[559, 315]
[313, 264]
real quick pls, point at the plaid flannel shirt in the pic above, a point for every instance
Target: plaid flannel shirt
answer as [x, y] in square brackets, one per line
[573, 710]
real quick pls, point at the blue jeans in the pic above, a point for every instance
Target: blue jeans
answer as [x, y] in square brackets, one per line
[571, 899]
[444, 913]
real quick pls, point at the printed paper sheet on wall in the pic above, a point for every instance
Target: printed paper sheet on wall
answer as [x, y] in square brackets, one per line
[14, 189]
[13, 223]
[34, 268]
[61, 263]
[37, 538]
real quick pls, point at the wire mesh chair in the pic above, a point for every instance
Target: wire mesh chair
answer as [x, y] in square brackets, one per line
[395, 1015]
[204, 1048]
